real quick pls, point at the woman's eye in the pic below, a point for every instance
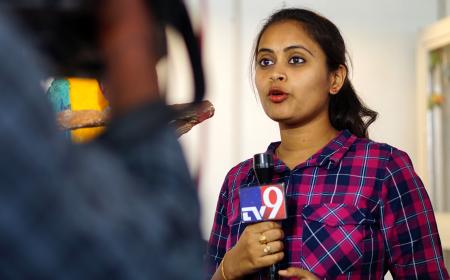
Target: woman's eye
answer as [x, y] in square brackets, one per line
[265, 62]
[296, 60]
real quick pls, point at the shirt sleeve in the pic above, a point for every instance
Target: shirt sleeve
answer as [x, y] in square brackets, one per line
[413, 247]
[219, 233]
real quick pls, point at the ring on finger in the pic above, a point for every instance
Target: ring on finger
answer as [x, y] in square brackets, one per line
[267, 249]
[263, 239]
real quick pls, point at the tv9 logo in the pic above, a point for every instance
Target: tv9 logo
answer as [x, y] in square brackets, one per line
[263, 203]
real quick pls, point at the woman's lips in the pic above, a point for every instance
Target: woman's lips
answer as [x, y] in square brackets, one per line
[277, 96]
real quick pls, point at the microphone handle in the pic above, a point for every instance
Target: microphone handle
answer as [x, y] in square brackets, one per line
[264, 174]
[273, 272]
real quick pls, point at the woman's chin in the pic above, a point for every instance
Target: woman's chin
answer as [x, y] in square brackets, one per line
[278, 115]
[279, 118]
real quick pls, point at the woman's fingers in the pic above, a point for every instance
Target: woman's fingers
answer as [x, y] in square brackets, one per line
[266, 232]
[260, 245]
[271, 235]
[270, 259]
[271, 248]
[300, 274]
[263, 227]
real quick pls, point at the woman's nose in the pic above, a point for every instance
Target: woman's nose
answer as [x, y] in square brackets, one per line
[278, 76]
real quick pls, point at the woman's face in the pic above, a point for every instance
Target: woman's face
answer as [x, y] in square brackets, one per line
[291, 75]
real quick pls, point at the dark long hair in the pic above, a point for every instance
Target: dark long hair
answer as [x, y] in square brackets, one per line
[346, 110]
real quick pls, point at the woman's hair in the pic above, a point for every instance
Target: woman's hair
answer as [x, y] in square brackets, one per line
[346, 111]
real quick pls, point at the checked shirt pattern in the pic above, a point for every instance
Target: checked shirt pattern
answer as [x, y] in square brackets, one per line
[356, 209]
[331, 235]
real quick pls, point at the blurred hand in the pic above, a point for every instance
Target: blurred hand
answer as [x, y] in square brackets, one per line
[300, 274]
[259, 246]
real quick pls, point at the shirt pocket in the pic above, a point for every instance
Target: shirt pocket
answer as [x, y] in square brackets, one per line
[333, 238]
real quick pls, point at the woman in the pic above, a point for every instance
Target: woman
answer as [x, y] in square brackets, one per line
[356, 208]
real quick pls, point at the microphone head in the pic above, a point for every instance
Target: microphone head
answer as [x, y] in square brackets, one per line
[263, 160]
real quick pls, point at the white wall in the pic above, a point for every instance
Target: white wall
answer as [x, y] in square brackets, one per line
[381, 37]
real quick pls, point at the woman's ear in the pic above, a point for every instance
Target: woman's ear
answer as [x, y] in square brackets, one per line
[337, 79]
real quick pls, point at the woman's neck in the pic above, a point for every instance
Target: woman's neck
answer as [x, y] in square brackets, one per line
[300, 143]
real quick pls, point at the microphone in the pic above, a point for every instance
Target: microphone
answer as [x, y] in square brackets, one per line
[263, 167]
[256, 200]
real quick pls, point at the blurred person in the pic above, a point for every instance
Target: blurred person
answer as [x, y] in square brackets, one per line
[120, 207]
[356, 208]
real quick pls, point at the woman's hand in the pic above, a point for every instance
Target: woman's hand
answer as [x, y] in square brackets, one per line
[300, 274]
[259, 246]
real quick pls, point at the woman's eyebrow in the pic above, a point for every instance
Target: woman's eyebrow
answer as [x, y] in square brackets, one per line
[298, 47]
[265, 50]
[286, 49]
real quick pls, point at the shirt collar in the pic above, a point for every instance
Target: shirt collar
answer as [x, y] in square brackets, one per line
[329, 156]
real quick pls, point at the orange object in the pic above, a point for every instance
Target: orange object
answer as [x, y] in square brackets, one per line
[85, 94]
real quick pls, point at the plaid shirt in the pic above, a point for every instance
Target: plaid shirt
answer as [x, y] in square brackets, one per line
[356, 209]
